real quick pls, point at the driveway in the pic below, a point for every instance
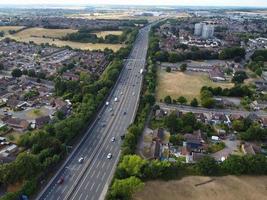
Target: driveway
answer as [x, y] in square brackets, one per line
[230, 147]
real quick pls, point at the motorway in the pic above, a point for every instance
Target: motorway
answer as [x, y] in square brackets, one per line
[90, 179]
[207, 110]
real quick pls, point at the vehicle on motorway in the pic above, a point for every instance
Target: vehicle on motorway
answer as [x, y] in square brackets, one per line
[60, 180]
[116, 99]
[109, 156]
[122, 136]
[124, 113]
[113, 139]
[107, 103]
[121, 93]
[81, 160]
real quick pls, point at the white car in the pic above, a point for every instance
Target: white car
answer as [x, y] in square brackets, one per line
[113, 139]
[133, 93]
[109, 156]
[116, 99]
[81, 160]
[107, 103]
[121, 93]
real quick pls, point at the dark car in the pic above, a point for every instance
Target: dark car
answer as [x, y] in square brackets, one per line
[60, 181]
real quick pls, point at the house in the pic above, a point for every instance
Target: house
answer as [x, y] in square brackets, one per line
[257, 105]
[216, 74]
[12, 103]
[251, 149]
[194, 157]
[41, 121]
[17, 124]
[159, 114]
[264, 122]
[60, 105]
[70, 76]
[253, 117]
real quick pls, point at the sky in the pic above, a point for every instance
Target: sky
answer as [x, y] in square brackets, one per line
[242, 3]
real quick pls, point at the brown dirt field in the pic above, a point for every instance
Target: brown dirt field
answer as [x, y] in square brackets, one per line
[36, 35]
[186, 84]
[7, 28]
[105, 33]
[222, 188]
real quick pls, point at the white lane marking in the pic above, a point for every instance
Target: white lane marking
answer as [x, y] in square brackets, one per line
[81, 196]
[98, 174]
[97, 188]
[92, 186]
[102, 178]
[93, 174]
[103, 164]
[87, 185]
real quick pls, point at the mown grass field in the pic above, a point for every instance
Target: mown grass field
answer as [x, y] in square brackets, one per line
[186, 84]
[42, 35]
[221, 188]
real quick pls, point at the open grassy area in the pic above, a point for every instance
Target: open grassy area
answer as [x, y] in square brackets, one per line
[221, 188]
[42, 35]
[186, 84]
[35, 113]
[10, 28]
[43, 32]
[105, 33]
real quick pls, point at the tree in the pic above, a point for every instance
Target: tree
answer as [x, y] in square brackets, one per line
[239, 77]
[149, 98]
[182, 100]
[206, 98]
[16, 72]
[233, 52]
[207, 166]
[168, 100]
[194, 102]
[177, 139]
[168, 69]
[173, 123]
[234, 165]
[183, 67]
[123, 189]
[31, 73]
[1, 66]
[132, 165]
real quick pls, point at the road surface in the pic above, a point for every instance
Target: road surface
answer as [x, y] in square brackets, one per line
[90, 179]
